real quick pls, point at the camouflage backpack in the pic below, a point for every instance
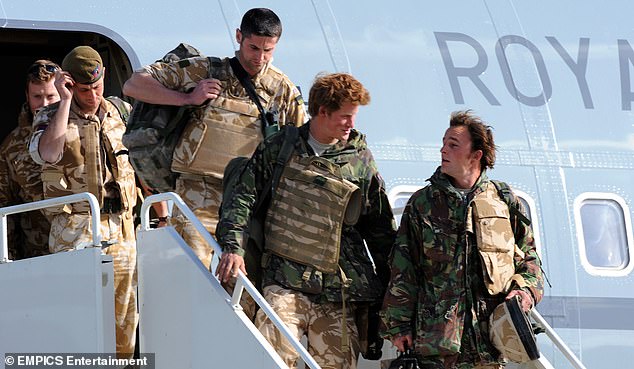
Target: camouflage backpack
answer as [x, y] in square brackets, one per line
[154, 130]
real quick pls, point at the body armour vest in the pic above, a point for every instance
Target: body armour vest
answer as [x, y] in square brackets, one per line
[308, 210]
[80, 168]
[227, 127]
[495, 240]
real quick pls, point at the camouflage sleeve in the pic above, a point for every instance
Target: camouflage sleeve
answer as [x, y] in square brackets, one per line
[528, 266]
[400, 302]
[292, 108]
[377, 225]
[232, 227]
[181, 75]
[40, 122]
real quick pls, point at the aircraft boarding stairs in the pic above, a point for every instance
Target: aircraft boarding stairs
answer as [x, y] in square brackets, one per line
[62, 303]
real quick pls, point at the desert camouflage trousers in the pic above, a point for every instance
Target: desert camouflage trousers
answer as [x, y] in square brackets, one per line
[70, 230]
[331, 346]
[203, 196]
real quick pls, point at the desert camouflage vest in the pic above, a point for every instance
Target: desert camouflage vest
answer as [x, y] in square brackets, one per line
[308, 211]
[495, 240]
[227, 127]
[80, 169]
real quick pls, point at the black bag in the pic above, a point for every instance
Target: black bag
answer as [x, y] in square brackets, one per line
[406, 360]
[152, 134]
[368, 320]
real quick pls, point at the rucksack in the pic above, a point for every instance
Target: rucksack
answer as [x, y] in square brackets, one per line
[516, 212]
[122, 107]
[231, 177]
[154, 130]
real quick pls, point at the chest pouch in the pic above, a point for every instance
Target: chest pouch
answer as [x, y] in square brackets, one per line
[308, 210]
[495, 240]
[230, 127]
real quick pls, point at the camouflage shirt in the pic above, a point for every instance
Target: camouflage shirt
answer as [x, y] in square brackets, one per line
[184, 75]
[375, 226]
[437, 291]
[93, 160]
[19, 174]
[20, 182]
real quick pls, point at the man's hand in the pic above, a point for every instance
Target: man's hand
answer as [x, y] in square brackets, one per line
[402, 342]
[64, 83]
[525, 299]
[207, 89]
[229, 266]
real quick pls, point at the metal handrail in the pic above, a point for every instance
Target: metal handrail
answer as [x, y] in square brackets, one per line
[37, 205]
[559, 343]
[242, 282]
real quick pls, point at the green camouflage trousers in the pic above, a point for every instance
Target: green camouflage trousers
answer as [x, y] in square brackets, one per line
[202, 195]
[320, 323]
[69, 230]
[450, 363]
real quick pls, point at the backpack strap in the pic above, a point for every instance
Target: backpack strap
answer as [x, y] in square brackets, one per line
[122, 107]
[505, 193]
[291, 133]
[268, 119]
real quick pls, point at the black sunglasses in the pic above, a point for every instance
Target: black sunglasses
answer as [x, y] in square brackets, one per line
[35, 68]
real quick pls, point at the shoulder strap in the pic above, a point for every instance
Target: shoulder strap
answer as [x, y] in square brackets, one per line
[505, 193]
[246, 82]
[124, 111]
[291, 133]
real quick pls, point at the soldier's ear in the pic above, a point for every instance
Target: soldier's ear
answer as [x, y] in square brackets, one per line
[238, 36]
[477, 155]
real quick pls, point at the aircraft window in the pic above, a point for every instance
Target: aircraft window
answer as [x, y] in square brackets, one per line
[531, 212]
[527, 208]
[605, 237]
[399, 196]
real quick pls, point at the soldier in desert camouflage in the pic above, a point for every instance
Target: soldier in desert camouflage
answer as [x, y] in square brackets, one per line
[78, 143]
[460, 251]
[225, 122]
[20, 180]
[317, 271]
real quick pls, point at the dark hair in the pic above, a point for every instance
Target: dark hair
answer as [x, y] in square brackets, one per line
[333, 90]
[261, 22]
[481, 135]
[41, 71]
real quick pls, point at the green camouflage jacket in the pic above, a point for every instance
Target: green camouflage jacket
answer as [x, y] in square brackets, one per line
[436, 290]
[375, 226]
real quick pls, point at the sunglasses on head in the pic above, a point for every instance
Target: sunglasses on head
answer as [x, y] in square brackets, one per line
[35, 68]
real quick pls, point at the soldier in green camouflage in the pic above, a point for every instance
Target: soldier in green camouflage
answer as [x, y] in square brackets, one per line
[225, 119]
[314, 298]
[78, 143]
[460, 251]
[20, 180]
